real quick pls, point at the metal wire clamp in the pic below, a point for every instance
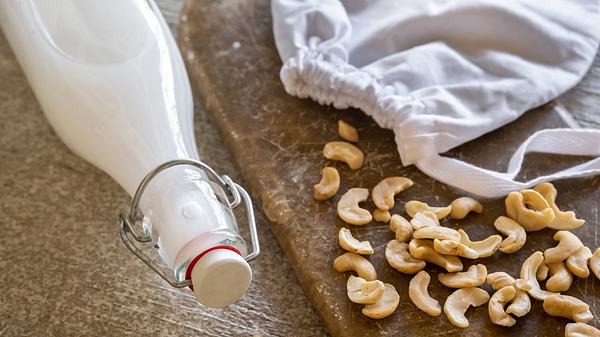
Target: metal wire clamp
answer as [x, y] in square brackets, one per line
[127, 221]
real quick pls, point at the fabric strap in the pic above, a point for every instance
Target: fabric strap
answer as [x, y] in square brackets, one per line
[493, 184]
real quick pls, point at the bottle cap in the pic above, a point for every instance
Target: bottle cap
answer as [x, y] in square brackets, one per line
[220, 278]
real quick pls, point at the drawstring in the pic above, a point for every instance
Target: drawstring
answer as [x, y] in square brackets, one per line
[492, 184]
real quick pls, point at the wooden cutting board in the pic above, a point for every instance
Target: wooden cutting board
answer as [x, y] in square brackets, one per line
[276, 140]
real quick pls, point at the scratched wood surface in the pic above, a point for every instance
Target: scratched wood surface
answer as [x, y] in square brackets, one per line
[276, 140]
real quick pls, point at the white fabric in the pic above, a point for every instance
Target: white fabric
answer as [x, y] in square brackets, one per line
[442, 72]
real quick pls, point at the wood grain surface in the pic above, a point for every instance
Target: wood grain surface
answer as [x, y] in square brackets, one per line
[276, 140]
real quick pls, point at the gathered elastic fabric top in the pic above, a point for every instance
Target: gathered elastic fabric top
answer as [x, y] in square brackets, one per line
[440, 73]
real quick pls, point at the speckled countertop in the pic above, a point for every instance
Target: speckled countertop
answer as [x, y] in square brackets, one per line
[63, 270]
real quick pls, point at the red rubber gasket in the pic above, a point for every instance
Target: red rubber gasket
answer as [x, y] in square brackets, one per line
[188, 271]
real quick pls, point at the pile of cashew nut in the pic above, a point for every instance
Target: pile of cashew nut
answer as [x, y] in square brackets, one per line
[420, 238]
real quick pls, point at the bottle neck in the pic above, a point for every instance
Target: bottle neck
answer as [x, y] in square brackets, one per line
[185, 213]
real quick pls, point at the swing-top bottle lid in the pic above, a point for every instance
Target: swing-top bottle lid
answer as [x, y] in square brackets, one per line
[220, 278]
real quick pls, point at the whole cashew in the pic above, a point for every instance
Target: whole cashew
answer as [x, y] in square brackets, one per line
[424, 219]
[362, 291]
[568, 243]
[385, 306]
[562, 220]
[344, 152]
[473, 277]
[530, 219]
[398, 256]
[499, 280]
[356, 263]
[383, 193]
[381, 216]
[347, 132]
[401, 227]
[329, 184]
[417, 291]
[520, 305]
[515, 234]
[349, 243]
[348, 209]
[581, 330]
[484, 248]
[560, 277]
[496, 306]
[413, 207]
[423, 250]
[463, 205]
[578, 262]
[459, 301]
[567, 307]
[440, 233]
[528, 273]
[595, 263]
[450, 247]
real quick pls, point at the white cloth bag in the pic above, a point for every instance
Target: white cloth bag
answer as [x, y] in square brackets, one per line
[442, 72]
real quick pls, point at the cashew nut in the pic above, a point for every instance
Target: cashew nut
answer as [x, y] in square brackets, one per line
[417, 291]
[450, 247]
[578, 261]
[440, 233]
[423, 250]
[385, 306]
[499, 280]
[383, 193]
[484, 248]
[530, 219]
[496, 306]
[515, 234]
[595, 263]
[349, 243]
[528, 273]
[345, 152]
[534, 199]
[329, 184]
[402, 228]
[347, 132]
[398, 256]
[362, 291]
[381, 216]
[424, 219]
[568, 243]
[459, 301]
[473, 277]
[521, 284]
[560, 277]
[348, 209]
[520, 305]
[413, 207]
[542, 272]
[581, 330]
[356, 263]
[567, 307]
[463, 205]
[562, 220]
